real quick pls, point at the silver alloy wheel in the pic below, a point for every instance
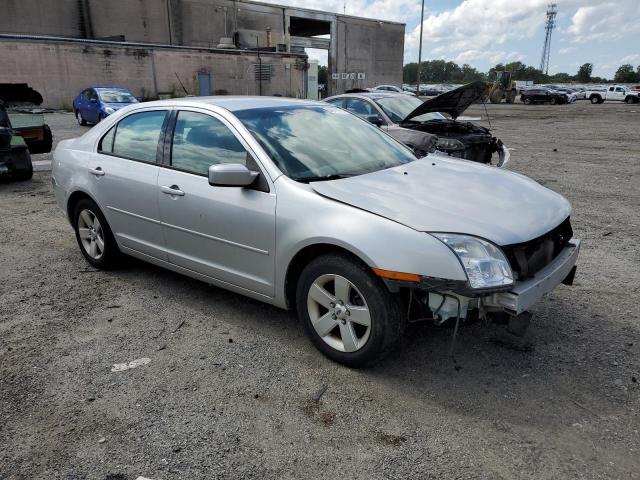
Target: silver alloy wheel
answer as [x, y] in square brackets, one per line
[91, 234]
[339, 313]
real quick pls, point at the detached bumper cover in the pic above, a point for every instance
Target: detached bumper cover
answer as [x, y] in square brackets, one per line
[524, 294]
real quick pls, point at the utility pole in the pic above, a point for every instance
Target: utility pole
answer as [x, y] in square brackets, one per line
[552, 10]
[420, 50]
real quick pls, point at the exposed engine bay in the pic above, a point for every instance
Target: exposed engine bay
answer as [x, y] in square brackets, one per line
[460, 139]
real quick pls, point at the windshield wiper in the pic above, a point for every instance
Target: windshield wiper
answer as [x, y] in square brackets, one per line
[334, 176]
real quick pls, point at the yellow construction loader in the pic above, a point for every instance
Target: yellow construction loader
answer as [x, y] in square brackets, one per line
[501, 87]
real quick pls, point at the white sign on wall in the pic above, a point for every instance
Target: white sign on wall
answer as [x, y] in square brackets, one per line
[348, 76]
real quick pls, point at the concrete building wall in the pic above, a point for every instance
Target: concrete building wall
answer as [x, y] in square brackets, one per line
[370, 48]
[60, 70]
[357, 45]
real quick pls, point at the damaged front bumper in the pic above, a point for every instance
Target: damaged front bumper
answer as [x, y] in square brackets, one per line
[523, 295]
[445, 299]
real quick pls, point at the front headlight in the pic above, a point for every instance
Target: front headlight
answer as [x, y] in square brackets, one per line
[109, 110]
[449, 144]
[485, 264]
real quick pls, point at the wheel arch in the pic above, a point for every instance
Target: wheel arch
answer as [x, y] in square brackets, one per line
[302, 259]
[73, 200]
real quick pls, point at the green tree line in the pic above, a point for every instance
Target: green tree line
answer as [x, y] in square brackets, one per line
[441, 71]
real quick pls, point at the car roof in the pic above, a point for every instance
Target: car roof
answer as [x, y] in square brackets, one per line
[96, 87]
[372, 95]
[235, 103]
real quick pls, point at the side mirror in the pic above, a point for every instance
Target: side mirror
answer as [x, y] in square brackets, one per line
[375, 119]
[231, 175]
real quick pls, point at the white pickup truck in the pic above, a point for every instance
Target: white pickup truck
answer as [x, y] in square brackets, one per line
[614, 93]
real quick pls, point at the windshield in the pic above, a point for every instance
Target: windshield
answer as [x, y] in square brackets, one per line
[397, 108]
[310, 143]
[116, 96]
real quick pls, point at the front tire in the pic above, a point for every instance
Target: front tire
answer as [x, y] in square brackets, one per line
[527, 101]
[553, 101]
[347, 311]
[81, 121]
[94, 236]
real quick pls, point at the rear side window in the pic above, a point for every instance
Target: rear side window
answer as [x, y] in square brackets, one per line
[137, 136]
[200, 140]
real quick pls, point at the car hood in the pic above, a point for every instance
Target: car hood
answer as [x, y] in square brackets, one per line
[454, 102]
[439, 194]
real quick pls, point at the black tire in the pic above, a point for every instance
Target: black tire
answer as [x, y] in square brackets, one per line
[594, 99]
[553, 101]
[22, 166]
[629, 100]
[23, 175]
[527, 101]
[387, 321]
[111, 254]
[80, 119]
[100, 117]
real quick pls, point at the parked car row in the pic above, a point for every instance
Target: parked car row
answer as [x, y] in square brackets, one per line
[192, 185]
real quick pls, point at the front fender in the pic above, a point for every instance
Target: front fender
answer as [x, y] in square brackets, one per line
[305, 218]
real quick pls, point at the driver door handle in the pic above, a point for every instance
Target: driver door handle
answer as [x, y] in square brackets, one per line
[172, 190]
[98, 172]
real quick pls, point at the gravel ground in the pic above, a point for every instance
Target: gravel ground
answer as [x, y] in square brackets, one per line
[231, 387]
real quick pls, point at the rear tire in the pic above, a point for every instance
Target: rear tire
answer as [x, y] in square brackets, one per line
[23, 175]
[336, 297]
[553, 101]
[94, 236]
[594, 99]
[527, 101]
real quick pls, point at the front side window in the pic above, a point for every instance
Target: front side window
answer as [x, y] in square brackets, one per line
[137, 136]
[310, 143]
[200, 140]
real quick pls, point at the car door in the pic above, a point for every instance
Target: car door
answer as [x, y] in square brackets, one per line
[124, 173]
[93, 110]
[620, 93]
[83, 103]
[227, 233]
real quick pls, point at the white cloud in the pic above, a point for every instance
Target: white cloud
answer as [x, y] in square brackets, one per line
[605, 21]
[633, 58]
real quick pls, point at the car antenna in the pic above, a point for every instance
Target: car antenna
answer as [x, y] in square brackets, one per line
[185, 90]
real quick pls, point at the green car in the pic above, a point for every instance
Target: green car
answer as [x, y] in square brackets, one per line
[29, 135]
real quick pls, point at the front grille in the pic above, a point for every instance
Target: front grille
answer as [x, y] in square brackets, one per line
[530, 257]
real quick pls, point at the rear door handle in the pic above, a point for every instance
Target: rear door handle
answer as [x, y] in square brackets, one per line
[172, 190]
[98, 172]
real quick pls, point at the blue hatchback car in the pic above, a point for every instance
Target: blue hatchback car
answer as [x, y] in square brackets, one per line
[95, 103]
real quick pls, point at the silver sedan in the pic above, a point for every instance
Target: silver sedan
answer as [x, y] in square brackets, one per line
[304, 206]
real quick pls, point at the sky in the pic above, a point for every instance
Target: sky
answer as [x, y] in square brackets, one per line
[485, 32]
